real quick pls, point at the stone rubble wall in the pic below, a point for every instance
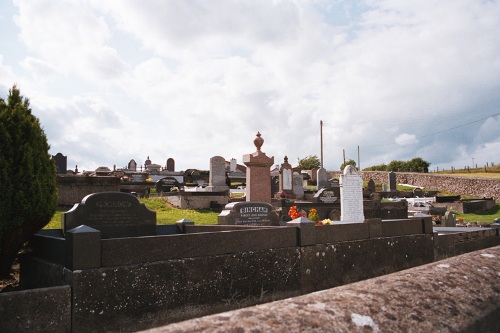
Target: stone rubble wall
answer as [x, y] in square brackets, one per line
[459, 294]
[475, 187]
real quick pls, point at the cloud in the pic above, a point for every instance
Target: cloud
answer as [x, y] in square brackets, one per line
[406, 139]
[117, 80]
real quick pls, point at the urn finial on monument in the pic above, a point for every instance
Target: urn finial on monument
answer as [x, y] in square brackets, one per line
[258, 141]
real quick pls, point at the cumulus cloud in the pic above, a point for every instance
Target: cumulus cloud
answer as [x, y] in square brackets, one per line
[117, 80]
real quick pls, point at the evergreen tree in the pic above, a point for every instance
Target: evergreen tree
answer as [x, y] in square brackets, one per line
[28, 196]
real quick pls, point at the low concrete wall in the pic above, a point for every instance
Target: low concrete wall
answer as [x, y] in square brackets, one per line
[454, 295]
[38, 310]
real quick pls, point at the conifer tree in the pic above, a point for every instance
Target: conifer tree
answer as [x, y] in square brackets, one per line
[28, 192]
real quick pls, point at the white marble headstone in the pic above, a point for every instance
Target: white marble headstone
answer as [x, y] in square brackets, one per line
[351, 196]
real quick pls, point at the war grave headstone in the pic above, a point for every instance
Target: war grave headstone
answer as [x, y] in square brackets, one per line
[351, 196]
[217, 176]
[114, 214]
[286, 184]
[298, 187]
[258, 173]
[249, 213]
[321, 178]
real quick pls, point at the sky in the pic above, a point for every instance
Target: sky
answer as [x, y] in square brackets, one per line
[116, 80]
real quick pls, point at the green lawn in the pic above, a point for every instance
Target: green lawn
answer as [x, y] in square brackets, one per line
[165, 214]
[487, 216]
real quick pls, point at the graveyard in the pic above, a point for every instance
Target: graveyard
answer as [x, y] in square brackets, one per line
[111, 267]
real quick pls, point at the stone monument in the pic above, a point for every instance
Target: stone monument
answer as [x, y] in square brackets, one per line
[286, 184]
[258, 173]
[298, 187]
[217, 176]
[351, 196]
[321, 178]
[392, 181]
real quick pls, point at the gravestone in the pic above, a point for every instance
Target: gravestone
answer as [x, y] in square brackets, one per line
[351, 196]
[384, 187]
[321, 178]
[249, 213]
[114, 214]
[298, 187]
[449, 219]
[371, 186]
[392, 181]
[166, 184]
[132, 165]
[217, 177]
[233, 165]
[61, 162]
[417, 192]
[286, 184]
[170, 164]
[327, 195]
[258, 173]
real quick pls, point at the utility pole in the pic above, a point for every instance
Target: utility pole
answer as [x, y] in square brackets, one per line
[321, 138]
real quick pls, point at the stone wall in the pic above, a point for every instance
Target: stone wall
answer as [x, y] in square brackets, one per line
[72, 189]
[476, 187]
[454, 295]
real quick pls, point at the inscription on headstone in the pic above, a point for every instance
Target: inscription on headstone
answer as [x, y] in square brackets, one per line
[326, 196]
[115, 214]
[351, 194]
[249, 213]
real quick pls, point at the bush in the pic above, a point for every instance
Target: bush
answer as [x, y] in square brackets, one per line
[28, 197]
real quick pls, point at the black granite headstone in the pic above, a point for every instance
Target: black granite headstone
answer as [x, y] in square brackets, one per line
[114, 214]
[249, 213]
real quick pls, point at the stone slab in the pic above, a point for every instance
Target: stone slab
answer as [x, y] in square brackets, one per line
[249, 213]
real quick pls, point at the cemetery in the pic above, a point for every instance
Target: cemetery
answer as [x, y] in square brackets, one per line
[111, 267]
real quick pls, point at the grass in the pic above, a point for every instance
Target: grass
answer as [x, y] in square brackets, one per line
[483, 217]
[165, 214]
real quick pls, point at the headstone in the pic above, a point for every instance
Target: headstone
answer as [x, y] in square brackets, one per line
[417, 192]
[322, 178]
[166, 184]
[258, 173]
[233, 165]
[286, 184]
[351, 196]
[298, 188]
[327, 195]
[392, 181]
[61, 162]
[384, 187]
[371, 186]
[132, 165]
[114, 214]
[170, 164]
[249, 213]
[449, 219]
[217, 177]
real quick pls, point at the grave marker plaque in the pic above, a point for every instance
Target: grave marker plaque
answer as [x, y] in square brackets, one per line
[249, 213]
[114, 214]
[351, 194]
